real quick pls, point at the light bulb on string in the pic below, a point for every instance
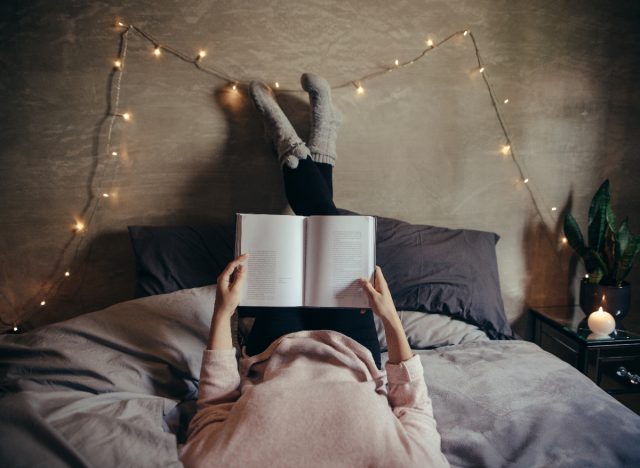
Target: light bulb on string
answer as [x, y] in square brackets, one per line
[506, 101]
[201, 54]
[553, 208]
[15, 328]
[117, 64]
[481, 69]
[505, 149]
[564, 240]
[397, 62]
[277, 85]
[79, 226]
[105, 195]
[526, 181]
[429, 43]
[126, 116]
[466, 32]
[114, 153]
[67, 274]
[359, 88]
[157, 51]
[43, 303]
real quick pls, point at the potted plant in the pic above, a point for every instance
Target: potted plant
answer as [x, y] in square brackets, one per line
[608, 256]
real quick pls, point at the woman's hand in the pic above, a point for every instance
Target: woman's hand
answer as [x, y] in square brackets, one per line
[379, 295]
[382, 304]
[229, 287]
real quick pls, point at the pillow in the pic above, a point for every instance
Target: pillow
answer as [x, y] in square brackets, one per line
[179, 257]
[432, 330]
[431, 269]
[451, 272]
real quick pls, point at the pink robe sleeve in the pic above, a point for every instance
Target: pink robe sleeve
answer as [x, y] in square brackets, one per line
[219, 390]
[411, 404]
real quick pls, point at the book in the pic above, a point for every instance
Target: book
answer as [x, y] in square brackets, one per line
[306, 261]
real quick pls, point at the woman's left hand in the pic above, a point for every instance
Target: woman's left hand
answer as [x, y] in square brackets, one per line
[229, 287]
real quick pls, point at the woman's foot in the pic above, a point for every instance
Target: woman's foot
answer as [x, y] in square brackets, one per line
[289, 146]
[325, 119]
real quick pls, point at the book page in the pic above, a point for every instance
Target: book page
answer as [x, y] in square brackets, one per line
[340, 250]
[275, 244]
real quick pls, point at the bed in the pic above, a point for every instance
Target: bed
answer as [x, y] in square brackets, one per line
[117, 387]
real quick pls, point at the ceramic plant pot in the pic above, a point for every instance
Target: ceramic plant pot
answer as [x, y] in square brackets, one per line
[616, 298]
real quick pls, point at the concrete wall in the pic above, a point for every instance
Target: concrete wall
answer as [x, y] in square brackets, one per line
[421, 144]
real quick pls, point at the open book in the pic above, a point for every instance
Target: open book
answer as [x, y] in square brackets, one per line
[310, 261]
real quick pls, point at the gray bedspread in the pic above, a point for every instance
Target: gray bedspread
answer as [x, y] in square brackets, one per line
[116, 387]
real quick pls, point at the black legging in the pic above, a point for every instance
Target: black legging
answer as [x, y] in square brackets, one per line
[309, 189]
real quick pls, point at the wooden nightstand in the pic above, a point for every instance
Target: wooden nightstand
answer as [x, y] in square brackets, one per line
[611, 362]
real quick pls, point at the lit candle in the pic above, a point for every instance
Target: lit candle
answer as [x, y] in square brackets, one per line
[601, 322]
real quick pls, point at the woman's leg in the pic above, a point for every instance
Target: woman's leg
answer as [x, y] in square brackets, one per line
[309, 189]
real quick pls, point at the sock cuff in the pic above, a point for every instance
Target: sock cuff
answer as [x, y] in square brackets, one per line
[323, 158]
[298, 150]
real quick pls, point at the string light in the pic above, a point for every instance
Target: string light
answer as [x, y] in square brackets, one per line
[553, 208]
[67, 274]
[157, 51]
[15, 328]
[43, 303]
[564, 240]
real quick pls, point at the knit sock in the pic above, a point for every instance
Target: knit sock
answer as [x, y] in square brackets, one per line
[325, 119]
[278, 129]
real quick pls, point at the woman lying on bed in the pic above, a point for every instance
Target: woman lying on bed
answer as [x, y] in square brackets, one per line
[310, 391]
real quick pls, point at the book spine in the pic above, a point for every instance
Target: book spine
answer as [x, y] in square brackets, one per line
[238, 246]
[304, 261]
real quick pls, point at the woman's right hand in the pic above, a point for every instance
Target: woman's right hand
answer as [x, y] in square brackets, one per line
[379, 295]
[229, 286]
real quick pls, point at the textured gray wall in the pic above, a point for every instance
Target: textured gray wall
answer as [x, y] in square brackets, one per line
[421, 145]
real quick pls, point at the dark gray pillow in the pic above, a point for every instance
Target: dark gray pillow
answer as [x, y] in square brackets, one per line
[431, 269]
[170, 258]
[452, 272]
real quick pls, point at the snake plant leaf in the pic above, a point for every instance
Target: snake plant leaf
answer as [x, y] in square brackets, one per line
[609, 256]
[622, 238]
[628, 257]
[574, 235]
[598, 222]
[595, 265]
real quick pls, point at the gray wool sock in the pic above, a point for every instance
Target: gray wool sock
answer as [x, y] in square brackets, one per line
[289, 146]
[325, 119]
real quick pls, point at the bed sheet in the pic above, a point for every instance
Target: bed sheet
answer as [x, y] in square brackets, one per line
[116, 388]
